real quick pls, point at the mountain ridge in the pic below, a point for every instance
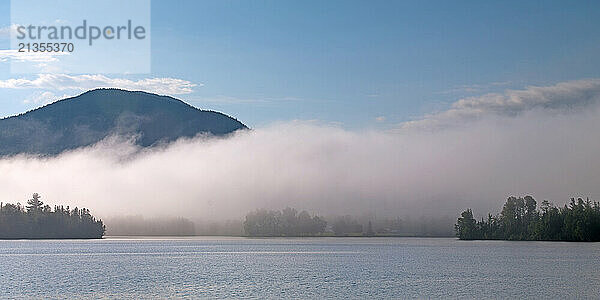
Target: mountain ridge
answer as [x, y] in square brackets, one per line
[85, 119]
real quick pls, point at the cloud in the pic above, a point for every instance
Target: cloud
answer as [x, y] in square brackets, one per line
[325, 169]
[380, 119]
[563, 96]
[39, 57]
[61, 82]
[5, 32]
[475, 88]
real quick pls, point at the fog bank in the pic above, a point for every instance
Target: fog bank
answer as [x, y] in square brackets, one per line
[325, 169]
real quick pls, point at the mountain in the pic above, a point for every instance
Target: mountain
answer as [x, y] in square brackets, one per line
[94, 115]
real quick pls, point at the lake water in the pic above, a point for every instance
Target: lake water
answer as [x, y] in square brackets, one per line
[298, 268]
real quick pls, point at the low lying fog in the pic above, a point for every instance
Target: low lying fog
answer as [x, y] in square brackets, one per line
[327, 170]
[324, 169]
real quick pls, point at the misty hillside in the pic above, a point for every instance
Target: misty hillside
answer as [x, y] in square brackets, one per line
[90, 117]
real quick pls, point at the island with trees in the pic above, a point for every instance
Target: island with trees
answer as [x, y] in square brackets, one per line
[287, 222]
[290, 222]
[39, 221]
[520, 219]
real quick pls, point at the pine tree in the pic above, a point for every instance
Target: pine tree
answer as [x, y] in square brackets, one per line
[34, 204]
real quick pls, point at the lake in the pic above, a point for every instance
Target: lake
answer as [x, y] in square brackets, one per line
[221, 267]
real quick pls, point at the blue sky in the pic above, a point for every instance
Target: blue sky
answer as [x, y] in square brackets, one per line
[361, 64]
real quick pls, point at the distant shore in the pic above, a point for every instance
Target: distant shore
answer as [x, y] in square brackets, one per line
[260, 237]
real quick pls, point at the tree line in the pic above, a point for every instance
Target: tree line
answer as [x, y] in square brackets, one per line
[291, 222]
[287, 222]
[39, 221]
[521, 219]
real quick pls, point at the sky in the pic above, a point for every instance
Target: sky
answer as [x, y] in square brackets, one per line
[355, 64]
[391, 108]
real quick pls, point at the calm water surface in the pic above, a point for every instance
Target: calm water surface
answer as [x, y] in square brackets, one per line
[298, 268]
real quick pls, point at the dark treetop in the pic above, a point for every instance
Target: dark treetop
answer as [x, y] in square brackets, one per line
[520, 219]
[94, 115]
[39, 221]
